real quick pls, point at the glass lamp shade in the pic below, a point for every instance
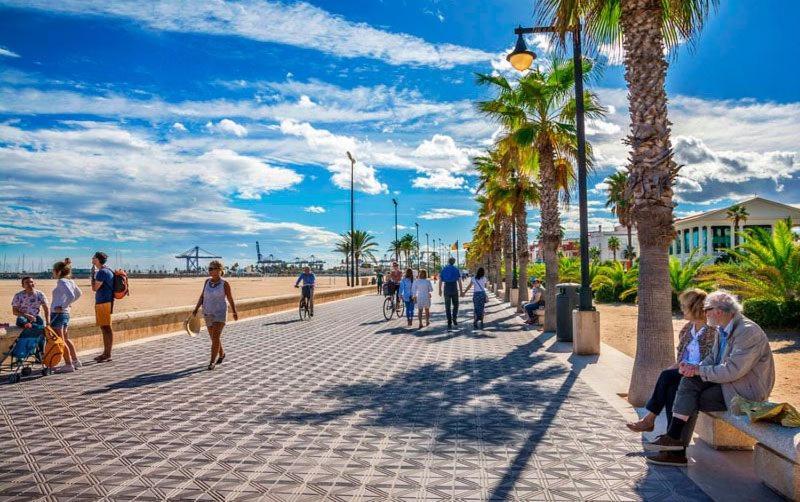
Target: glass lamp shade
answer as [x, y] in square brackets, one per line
[521, 60]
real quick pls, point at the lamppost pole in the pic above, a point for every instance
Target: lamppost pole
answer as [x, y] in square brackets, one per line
[416, 224]
[352, 222]
[396, 243]
[427, 253]
[521, 59]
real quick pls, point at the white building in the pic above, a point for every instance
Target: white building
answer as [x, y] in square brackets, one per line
[599, 239]
[712, 231]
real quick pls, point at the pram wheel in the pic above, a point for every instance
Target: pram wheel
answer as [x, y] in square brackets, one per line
[45, 371]
[14, 378]
[26, 371]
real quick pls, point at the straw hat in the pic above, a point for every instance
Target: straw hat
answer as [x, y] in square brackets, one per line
[192, 325]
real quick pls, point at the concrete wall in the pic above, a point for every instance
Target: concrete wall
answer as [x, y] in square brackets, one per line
[131, 326]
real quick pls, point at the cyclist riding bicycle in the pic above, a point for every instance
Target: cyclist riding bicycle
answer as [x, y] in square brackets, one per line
[395, 276]
[309, 280]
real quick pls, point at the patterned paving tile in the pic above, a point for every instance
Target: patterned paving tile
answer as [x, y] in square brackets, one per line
[343, 407]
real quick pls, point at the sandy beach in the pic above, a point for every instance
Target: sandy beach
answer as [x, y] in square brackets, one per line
[147, 294]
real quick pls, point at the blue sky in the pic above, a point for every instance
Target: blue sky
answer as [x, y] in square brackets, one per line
[145, 128]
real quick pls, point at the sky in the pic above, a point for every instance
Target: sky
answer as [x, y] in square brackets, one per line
[146, 128]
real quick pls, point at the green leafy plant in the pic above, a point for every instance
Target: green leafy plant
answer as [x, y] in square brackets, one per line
[683, 276]
[614, 282]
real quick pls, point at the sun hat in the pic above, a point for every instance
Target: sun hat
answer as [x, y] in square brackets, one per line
[192, 325]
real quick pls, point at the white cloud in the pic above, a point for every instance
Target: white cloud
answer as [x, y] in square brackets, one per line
[179, 127]
[445, 214]
[299, 24]
[8, 53]
[241, 245]
[227, 126]
[439, 180]
[315, 209]
[246, 176]
[305, 102]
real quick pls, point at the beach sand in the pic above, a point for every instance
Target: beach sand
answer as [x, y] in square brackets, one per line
[618, 329]
[148, 294]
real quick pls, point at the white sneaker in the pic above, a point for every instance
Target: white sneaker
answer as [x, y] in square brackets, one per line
[67, 368]
[77, 364]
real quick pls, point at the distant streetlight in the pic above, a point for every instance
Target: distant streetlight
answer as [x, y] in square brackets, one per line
[427, 253]
[396, 241]
[352, 221]
[416, 224]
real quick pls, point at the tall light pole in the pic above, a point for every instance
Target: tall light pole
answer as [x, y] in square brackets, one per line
[521, 59]
[396, 242]
[427, 254]
[352, 222]
[416, 224]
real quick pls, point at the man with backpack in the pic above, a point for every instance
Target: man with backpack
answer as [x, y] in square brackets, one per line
[103, 286]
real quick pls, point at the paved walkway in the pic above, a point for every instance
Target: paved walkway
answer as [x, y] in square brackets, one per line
[343, 407]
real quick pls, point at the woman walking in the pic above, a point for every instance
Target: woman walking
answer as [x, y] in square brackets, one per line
[65, 294]
[422, 292]
[215, 309]
[478, 285]
[405, 291]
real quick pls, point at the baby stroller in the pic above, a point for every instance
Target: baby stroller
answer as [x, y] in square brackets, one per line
[26, 351]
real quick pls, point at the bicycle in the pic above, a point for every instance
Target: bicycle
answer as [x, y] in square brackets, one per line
[392, 307]
[306, 307]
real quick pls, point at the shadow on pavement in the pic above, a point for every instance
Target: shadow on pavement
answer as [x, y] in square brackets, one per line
[144, 380]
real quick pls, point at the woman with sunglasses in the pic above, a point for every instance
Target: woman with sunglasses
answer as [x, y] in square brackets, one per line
[216, 291]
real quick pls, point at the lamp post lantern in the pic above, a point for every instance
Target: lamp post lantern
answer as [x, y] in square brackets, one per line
[521, 59]
[352, 222]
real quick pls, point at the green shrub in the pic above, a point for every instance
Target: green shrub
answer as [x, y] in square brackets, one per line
[771, 313]
[605, 294]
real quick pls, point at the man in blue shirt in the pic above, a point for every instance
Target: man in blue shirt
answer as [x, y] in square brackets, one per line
[451, 281]
[103, 287]
[308, 279]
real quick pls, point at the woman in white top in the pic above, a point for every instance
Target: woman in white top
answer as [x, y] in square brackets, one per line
[216, 291]
[65, 294]
[421, 291]
[478, 283]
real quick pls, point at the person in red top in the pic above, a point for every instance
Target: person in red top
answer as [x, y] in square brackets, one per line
[395, 276]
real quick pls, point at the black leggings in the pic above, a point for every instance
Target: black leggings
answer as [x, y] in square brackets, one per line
[664, 394]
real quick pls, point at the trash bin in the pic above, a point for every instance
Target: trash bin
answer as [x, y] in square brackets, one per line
[566, 301]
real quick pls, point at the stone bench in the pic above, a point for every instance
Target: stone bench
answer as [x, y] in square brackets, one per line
[776, 449]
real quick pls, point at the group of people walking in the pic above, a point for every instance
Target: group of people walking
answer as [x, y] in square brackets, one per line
[417, 292]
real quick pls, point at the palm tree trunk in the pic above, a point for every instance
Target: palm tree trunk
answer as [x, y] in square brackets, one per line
[630, 247]
[347, 268]
[652, 172]
[358, 260]
[509, 273]
[523, 255]
[551, 231]
[497, 256]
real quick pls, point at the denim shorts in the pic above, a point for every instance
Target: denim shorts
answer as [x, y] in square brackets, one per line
[59, 320]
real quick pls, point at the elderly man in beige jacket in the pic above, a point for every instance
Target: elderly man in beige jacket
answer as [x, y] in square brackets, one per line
[740, 363]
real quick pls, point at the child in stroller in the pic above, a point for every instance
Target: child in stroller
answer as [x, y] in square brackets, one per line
[26, 350]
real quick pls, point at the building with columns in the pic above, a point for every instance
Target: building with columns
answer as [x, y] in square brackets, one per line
[599, 239]
[712, 232]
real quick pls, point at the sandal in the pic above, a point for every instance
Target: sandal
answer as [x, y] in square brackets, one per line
[639, 427]
[102, 358]
[220, 359]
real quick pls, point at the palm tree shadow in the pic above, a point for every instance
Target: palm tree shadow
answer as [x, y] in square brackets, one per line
[144, 380]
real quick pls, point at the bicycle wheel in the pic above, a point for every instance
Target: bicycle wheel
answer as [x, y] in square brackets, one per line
[400, 308]
[388, 308]
[303, 309]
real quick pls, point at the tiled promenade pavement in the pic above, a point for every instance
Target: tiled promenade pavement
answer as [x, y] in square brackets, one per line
[343, 407]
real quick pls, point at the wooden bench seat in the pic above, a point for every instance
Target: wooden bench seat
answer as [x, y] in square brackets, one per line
[776, 448]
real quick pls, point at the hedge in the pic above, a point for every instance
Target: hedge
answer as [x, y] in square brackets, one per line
[770, 313]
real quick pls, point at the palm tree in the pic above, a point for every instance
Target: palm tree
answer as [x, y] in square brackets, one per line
[622, 283]
[620, 201]
[683, 276]
[594, 253]
[539, 113]
[737, 213]
[613, 245]
[643, 29]
[363, 245]
[343, 246]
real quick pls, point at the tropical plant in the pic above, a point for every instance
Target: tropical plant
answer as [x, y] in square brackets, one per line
[642, 30]
[538, 115]
[343, 246]
[613, 246]
[767, 265]
[683, 276]
[620, 200]
[737, 213]
[621, 284]
[363, 245]
[594, 253]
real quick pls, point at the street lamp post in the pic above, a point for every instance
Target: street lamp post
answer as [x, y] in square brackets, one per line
[352, 222]
[416, 224]
[427, 253]
[396, 243]
[521, 59]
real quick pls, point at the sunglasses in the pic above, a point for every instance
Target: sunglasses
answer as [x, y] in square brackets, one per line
[708, 308]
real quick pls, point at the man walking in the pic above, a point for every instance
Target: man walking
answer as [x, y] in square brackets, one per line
[451, 282]
[103, 287]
